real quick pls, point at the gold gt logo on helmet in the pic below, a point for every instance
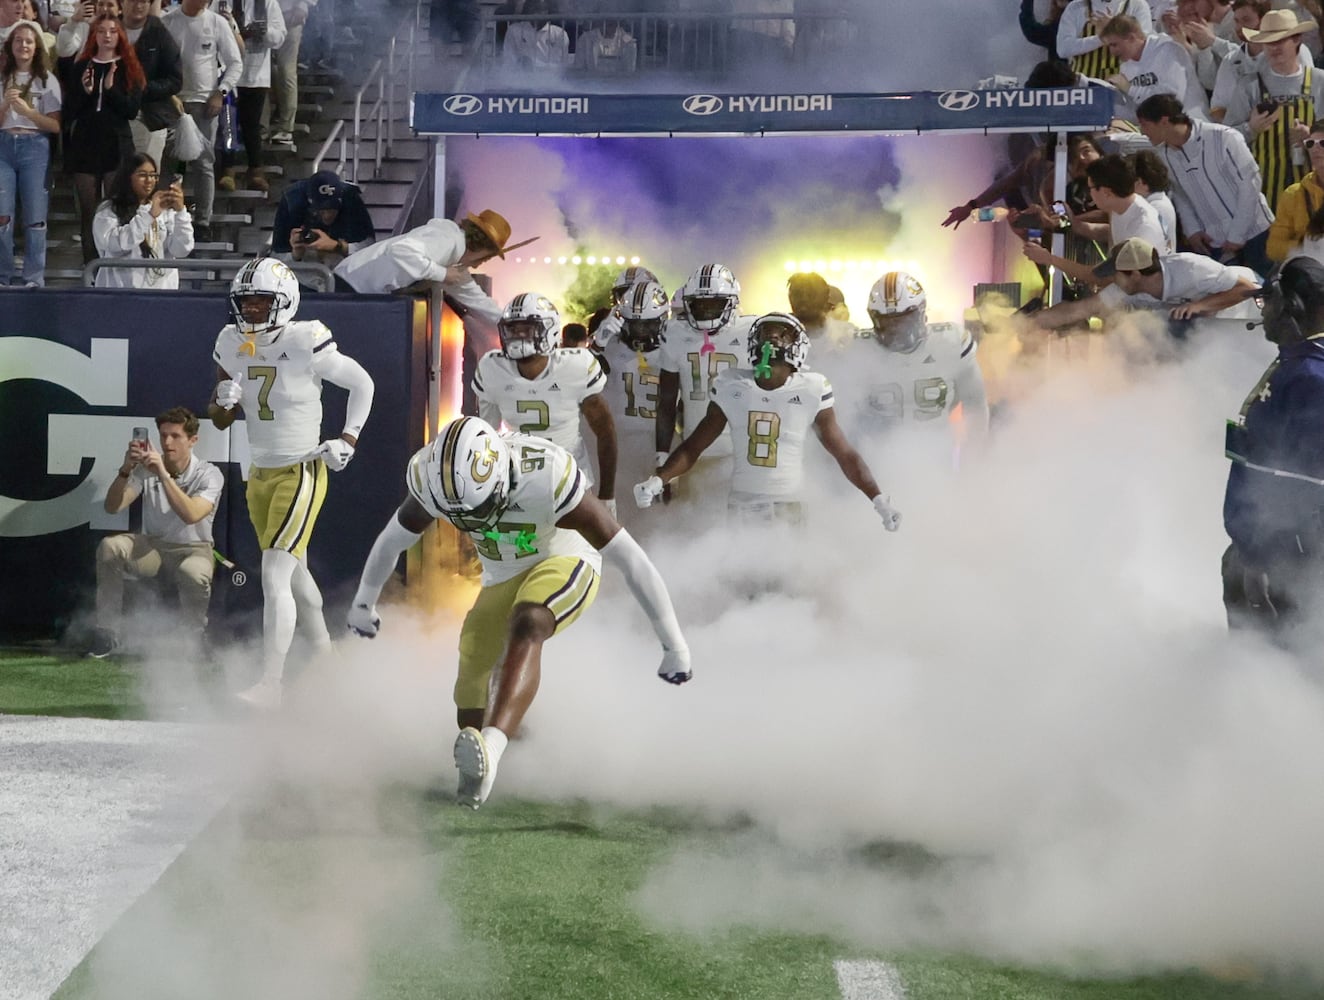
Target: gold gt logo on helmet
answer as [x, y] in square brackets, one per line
[484, 463]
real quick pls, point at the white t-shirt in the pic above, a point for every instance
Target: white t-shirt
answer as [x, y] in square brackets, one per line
[209, 54]
[1188, 277]
[43, 95]
[199, 479]
[1140, 219]
[1167, 217]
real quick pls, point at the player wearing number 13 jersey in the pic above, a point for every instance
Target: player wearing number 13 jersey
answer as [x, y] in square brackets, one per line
[535, 386]
[541, 535]
[771, 409]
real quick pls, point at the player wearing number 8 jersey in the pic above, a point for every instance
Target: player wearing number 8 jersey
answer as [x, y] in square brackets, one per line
[537, 387]
[541, 536]
[274, 367]
[770, 410]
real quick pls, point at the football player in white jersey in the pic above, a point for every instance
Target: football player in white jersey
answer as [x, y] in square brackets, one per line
[710, 338]
[770, 410]
[541, 535]
[923, 369]
[537, 387]
[611, 323]
[273, 367]
[632, 359]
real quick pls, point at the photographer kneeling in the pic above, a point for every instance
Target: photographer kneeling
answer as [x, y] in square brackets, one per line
[320, 219]
[142, 220]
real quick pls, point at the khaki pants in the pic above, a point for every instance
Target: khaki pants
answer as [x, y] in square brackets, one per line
[142, 557]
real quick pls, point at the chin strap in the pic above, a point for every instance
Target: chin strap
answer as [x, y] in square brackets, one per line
[764, 368]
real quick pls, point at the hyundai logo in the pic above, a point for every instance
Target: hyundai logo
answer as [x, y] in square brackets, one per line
[702, 104]
[958, 100]
[463, 104]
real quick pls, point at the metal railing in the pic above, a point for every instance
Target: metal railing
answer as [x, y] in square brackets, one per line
[676, 42]
[216, 269]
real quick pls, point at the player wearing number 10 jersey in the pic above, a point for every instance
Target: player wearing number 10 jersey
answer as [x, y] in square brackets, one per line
[771, 410]
[535, 386]
[710, 339]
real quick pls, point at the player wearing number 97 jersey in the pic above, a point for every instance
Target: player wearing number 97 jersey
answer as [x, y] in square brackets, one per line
[770, 408]
[542, 537]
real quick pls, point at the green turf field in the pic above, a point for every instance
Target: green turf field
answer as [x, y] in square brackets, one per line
[396, 893]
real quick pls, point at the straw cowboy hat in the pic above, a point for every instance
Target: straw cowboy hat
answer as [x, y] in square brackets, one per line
[494, 227]
[1277, 25]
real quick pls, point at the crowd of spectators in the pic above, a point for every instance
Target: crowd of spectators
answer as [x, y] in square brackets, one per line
[95, 97]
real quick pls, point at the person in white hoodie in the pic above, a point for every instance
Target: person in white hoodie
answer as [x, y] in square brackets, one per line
[262, 27]
[142, 219]
[212, 63]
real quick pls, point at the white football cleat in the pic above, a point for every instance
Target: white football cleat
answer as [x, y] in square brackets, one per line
[264, 695]
[475, 766]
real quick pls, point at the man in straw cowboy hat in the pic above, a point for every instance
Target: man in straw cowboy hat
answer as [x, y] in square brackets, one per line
[1273, 106]
[440, 251]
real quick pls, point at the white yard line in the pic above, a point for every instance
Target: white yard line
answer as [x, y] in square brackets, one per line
[91, 813]
[862, 979]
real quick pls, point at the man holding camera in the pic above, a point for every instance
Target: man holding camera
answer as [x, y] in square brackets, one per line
[321, 218]
[179, 493]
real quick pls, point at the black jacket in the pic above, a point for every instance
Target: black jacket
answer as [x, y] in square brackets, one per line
[159, 54]
[353, 223]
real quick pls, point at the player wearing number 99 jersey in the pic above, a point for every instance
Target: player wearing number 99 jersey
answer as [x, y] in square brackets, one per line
[771, 409]
[923, 369]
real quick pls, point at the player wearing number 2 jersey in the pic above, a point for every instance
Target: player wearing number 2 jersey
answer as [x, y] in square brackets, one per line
[535, 386]
[771, 410]
[274, 367]
[541, 536]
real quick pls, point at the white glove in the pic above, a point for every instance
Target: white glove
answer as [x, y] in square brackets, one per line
[228, 394]
[363, 620]
[611, 506]
[675, 668]
[647, 492]
[336, 453]
[890, 515]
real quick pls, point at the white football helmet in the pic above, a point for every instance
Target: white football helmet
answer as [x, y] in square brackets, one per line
[269, 278]
[644, 312]
[785, 334]
[463, 475]
[530, 325]
[712, 297]
[898, 309]
[627, 279]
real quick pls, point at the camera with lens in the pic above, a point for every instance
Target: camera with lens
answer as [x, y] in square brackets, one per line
[307, 234]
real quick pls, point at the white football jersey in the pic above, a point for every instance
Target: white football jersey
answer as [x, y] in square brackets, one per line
[546, 484]
[282, 389]
[768, 430]
[631, 395]
[918, 388]
[683, 352]
[546, 406]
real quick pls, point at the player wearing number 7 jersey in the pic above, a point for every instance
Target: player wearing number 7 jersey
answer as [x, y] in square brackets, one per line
[771, 410]
[274, 367]
[541, 536]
